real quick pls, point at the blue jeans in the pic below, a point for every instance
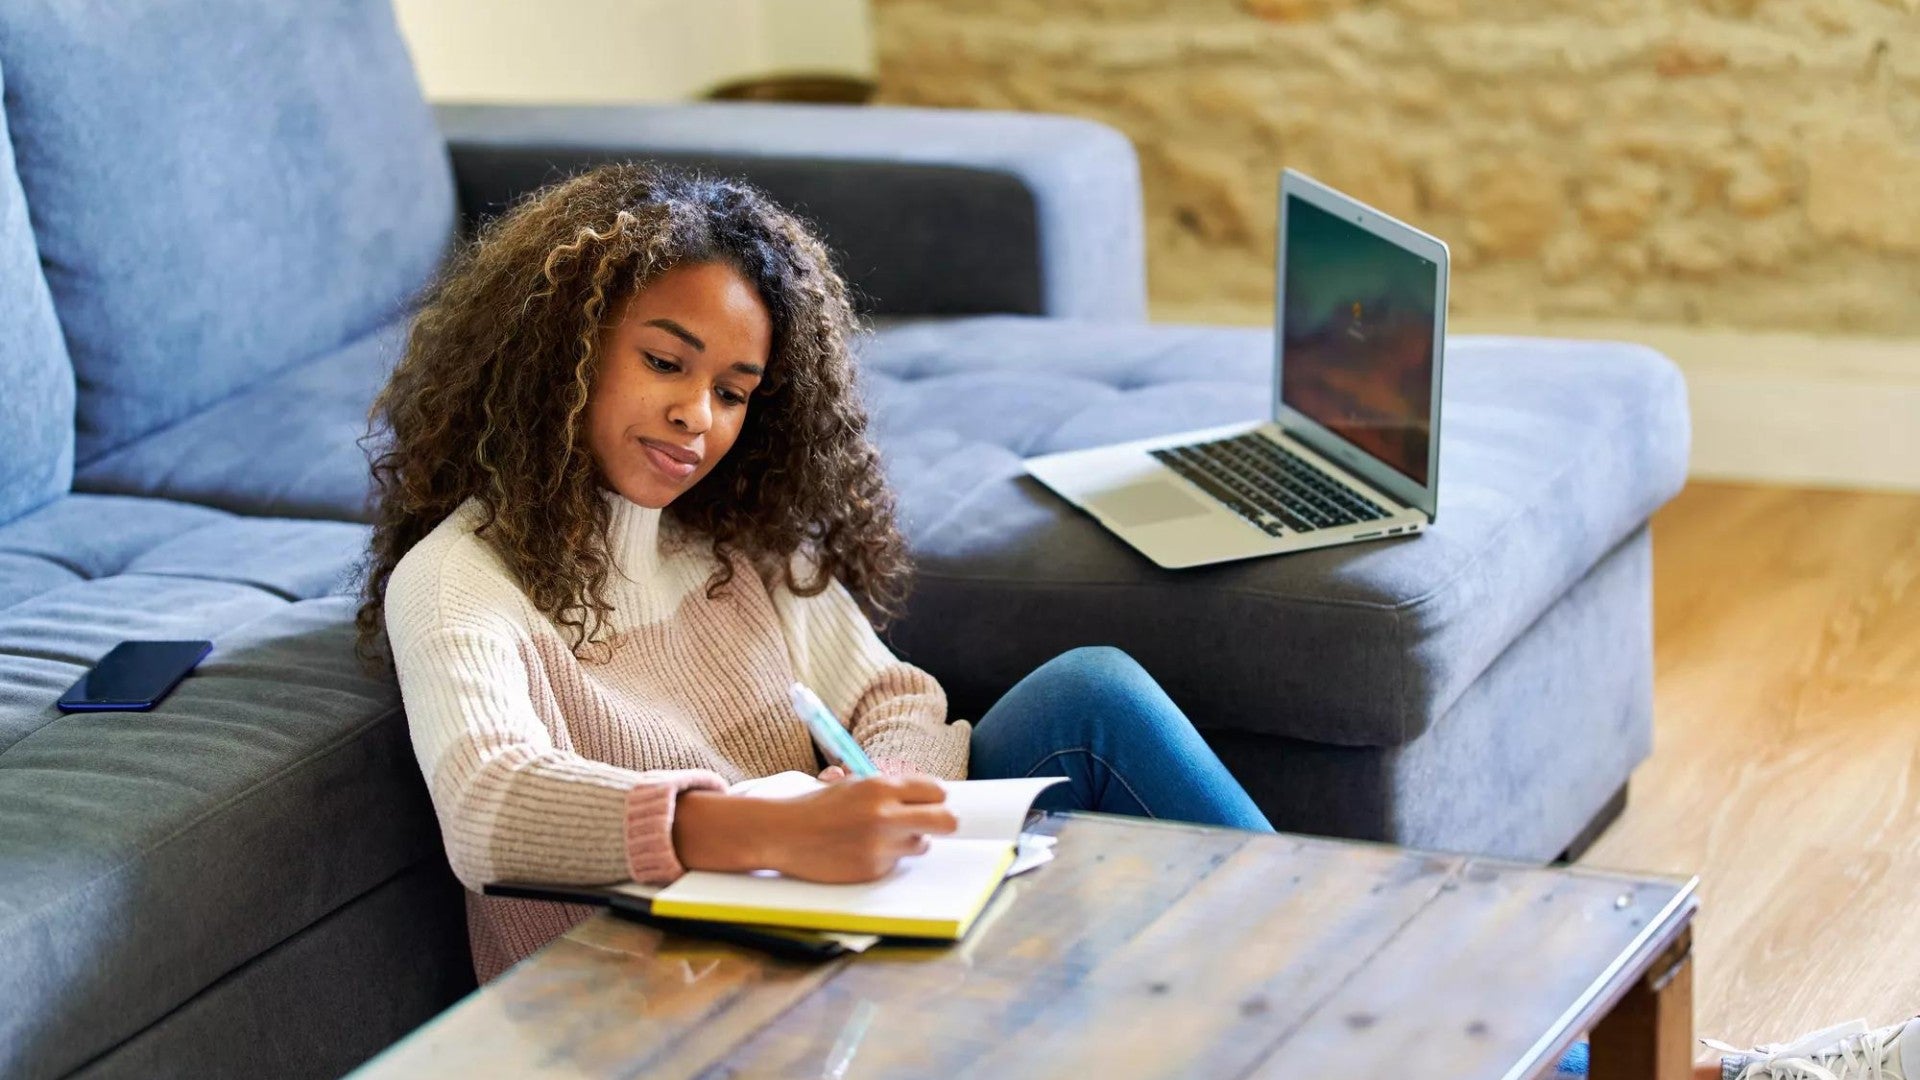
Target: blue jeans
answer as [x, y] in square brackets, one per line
[1097, 718]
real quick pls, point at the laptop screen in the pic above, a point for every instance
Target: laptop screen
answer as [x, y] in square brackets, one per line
[1357, 337]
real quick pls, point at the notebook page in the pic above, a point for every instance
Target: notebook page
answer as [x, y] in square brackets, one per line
[994, 809]
[781, 785]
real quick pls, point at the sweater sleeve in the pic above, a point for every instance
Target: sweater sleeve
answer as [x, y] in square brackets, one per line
[896, 711]
[511, 805]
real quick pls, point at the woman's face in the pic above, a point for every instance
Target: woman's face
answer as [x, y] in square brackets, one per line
[677, 365]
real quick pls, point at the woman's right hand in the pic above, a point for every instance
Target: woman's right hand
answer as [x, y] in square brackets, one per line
[856, 830]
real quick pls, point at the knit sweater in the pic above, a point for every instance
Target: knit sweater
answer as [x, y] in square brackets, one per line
[544, 767]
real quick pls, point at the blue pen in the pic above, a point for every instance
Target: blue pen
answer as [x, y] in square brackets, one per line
[836, 743]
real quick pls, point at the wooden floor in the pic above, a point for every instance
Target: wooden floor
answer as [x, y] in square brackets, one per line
[1786, 768]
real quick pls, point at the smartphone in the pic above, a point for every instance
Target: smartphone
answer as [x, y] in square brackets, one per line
[134, 676]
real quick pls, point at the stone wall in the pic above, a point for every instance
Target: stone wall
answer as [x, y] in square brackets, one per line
[1749, 164]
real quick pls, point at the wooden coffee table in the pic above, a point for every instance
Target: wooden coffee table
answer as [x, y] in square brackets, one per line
[1144, 949]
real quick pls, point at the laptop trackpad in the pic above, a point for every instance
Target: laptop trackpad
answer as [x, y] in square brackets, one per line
[1149, 504]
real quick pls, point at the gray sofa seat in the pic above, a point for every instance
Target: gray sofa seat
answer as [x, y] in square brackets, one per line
[144, 857]
[1552, 453]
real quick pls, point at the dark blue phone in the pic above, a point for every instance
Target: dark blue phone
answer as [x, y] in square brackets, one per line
[134, 676]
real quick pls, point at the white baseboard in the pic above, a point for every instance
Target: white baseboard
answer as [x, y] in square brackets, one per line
[1812, 431]
[1775, 408]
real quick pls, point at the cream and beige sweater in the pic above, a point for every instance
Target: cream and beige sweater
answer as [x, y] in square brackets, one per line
[543, 767]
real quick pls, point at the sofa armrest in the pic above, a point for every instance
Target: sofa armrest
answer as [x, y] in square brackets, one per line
[929, 211]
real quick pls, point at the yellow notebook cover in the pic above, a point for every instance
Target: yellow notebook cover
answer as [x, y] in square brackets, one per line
[936, 895]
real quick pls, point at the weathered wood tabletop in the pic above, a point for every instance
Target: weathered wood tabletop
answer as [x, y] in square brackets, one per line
[1144, 949]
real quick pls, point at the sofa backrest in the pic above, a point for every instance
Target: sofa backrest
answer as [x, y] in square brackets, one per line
[219, 189]
[36, 381]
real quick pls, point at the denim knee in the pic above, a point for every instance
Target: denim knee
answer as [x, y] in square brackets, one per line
[1096, 671]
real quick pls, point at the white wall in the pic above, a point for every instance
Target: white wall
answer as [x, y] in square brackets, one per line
[625, 50]
[818, 36]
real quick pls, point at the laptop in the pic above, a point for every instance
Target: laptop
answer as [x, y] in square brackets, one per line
[1352, 451]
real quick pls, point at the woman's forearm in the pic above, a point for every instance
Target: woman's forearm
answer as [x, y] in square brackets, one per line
[855, 830]
[713, 830]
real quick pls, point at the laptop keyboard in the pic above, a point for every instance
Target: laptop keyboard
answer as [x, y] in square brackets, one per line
[1262, 481]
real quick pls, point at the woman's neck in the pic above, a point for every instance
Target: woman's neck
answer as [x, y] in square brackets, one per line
[633, 533]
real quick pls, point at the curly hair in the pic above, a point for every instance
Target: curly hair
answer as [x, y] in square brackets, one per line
[489, 399]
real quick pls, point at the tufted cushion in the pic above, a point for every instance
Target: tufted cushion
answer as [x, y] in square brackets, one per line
[1552, 452]
[36, 381]
[145, 855]
[220, 189]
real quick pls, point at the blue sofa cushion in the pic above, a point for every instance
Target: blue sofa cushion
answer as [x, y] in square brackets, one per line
[143, 856]
[36, 381]
[286, 446]
[1552, 452]
[219, 189]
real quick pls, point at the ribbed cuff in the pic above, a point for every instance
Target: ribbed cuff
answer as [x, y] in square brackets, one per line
[942, 754]
[898, 766]
[649, 828]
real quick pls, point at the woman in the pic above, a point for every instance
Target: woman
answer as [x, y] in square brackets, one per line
[625, 499]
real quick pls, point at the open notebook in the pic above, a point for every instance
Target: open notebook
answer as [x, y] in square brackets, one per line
[936, 895]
